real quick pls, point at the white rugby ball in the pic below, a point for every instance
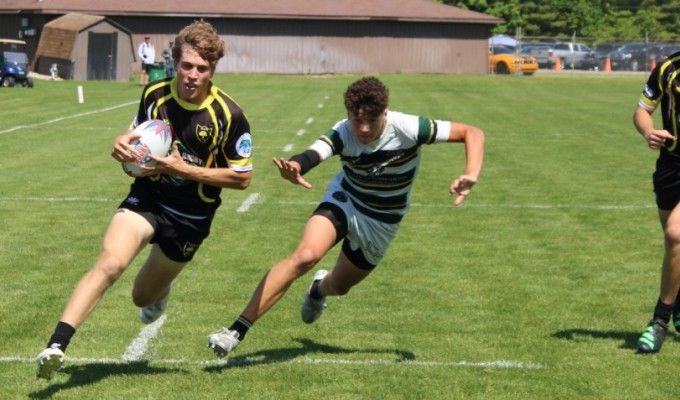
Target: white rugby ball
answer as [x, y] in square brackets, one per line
[156, 139]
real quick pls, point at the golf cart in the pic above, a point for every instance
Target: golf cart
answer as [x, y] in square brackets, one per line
[14, 64]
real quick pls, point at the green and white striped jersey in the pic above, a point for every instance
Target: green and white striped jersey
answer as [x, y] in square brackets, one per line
[378, 176]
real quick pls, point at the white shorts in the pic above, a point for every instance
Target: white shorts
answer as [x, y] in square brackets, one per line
[371, 236]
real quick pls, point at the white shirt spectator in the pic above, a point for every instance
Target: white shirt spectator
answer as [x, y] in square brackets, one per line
[146, 51]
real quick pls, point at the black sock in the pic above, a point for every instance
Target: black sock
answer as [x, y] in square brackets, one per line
[62, 336]
[663, 311]
[314, 292]
[241, 325]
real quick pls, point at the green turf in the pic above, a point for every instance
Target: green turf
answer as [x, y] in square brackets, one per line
[550, 265]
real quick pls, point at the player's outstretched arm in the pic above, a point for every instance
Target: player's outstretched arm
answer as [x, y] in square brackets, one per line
[290, 171]
[462, 187]
[473, 138]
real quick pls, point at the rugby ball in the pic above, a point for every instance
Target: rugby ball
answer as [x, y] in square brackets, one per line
[155, 138]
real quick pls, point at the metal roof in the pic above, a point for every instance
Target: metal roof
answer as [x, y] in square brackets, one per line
[399, 10]
[79, 22]
[75, 21]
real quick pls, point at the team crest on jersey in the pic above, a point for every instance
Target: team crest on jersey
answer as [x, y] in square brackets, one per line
[189, 249]
[244, 145]
[203, 133]
[375, 170]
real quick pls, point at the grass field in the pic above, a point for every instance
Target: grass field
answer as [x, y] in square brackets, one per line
[536, 288]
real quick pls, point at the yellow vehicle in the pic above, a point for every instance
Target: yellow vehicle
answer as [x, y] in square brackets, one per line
[503, 60]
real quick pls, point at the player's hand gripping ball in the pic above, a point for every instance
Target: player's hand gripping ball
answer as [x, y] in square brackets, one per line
[155, 138]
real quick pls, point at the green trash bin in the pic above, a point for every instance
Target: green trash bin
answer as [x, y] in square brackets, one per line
[157, 72]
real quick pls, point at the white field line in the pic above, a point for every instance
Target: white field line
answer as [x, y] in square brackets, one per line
[137, 348]
[501, 364]
[253, 198]
[300, 132]
[288, 148]
[57, 199]
[16, 128]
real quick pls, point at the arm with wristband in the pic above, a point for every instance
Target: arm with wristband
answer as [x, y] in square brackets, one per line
[298, 165]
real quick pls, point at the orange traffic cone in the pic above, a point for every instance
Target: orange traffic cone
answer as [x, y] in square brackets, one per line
[653, 64]
[608, 65]
[558, 65]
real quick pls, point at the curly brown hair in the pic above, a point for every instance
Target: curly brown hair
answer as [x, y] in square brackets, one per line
[201, 36]
[368, 95]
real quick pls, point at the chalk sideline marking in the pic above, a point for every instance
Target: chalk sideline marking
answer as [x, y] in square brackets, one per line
[137, 348]
[500, 364]
[254, 198]
[249, 201]
[15, 128]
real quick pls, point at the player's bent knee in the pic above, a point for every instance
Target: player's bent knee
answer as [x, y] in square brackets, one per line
[110, 266]
[673, 233]
[305, 259]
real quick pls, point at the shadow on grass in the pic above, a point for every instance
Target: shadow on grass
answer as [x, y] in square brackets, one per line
[87, 374]
[289, 354]
[629, 338]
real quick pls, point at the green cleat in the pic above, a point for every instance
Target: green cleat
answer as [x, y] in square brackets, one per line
[676, 315]
[652, 338]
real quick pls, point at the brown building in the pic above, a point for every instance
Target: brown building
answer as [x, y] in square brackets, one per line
[289, 36]
[85, 47]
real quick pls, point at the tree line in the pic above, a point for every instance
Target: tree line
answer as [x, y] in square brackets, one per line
[593, 21]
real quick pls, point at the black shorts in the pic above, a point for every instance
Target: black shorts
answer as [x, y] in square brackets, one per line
[666, 180]
[178, 236]
[146, 67]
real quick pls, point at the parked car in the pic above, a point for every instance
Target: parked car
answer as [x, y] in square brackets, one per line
[630, 57]
[602, 50]
[571, 55]
[503, 60]
[542, 52]
[14, 64]
[660, 51]
[575, 55]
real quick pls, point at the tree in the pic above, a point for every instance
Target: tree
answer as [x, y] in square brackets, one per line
[596, 20]
[509, 10]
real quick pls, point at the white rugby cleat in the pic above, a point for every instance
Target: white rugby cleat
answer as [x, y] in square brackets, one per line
[223, 341]
[151, 313]
[312, 309]
[49, 361]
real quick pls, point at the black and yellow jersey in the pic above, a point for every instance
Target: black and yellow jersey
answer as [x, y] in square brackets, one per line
[214, 134]
[663, 89]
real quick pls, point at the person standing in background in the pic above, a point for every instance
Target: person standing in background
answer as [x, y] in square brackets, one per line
[147, 53]
[169, 63]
